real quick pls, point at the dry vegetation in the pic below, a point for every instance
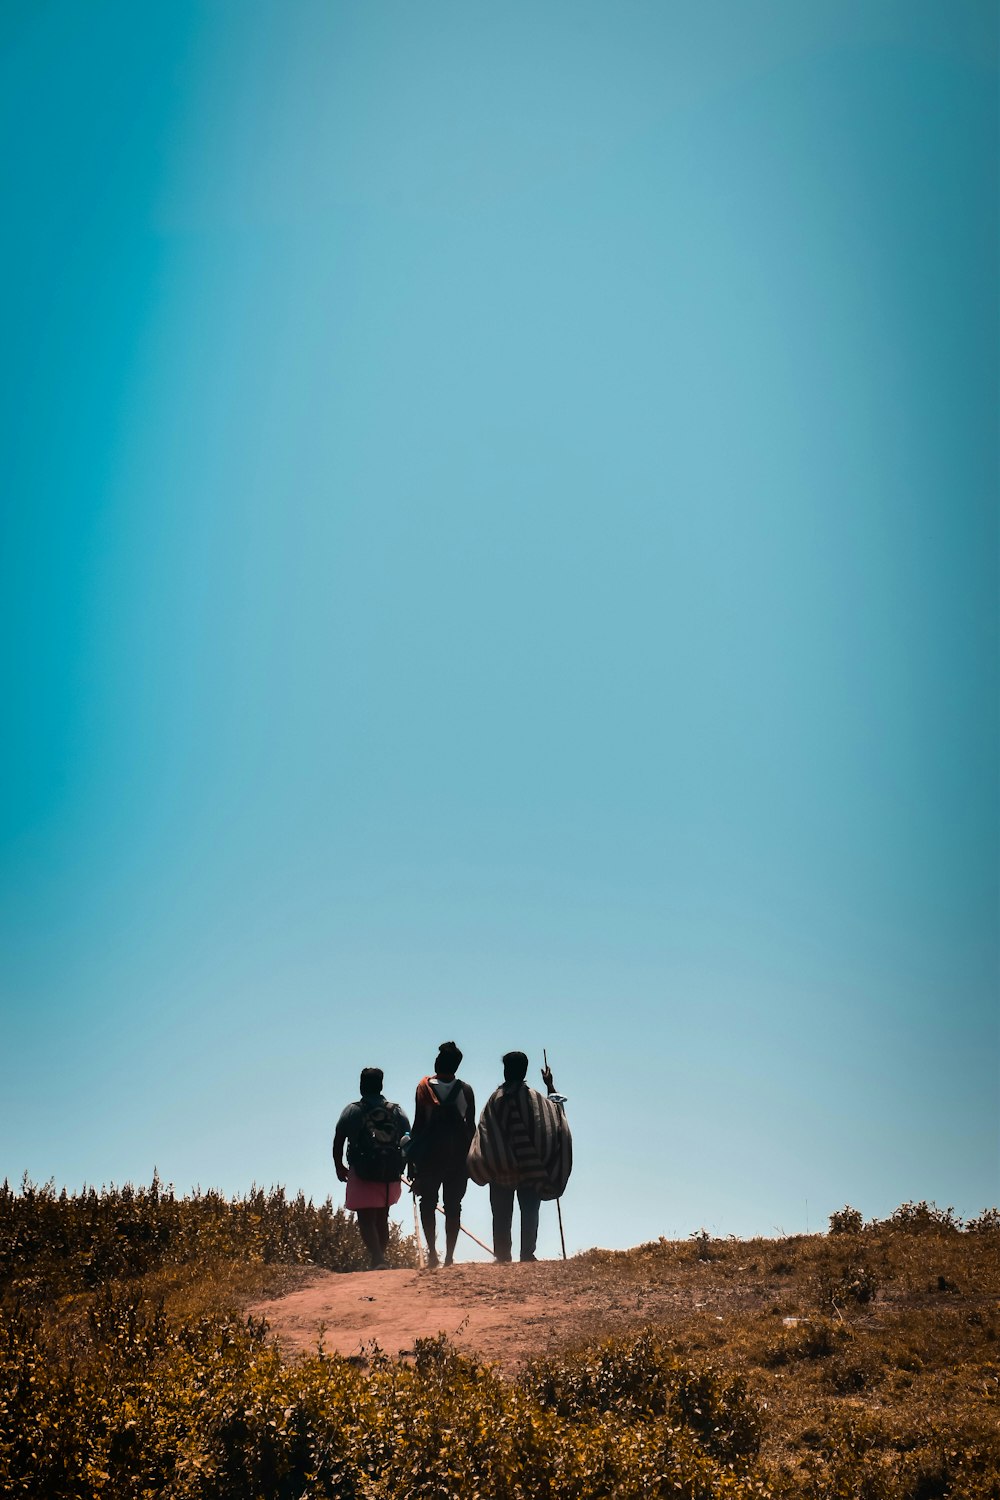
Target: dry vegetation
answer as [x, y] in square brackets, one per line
[873, 1352]
[862, 1363]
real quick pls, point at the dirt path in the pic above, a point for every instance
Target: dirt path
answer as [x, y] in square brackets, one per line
[501, 1313]
[478, 1307]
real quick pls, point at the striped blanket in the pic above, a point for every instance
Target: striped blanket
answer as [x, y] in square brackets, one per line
[523, 1140]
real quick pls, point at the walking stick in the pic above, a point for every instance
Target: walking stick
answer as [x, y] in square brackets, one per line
[469, 1232]
[416, 1232]
[562, 1237]
[440, 1210]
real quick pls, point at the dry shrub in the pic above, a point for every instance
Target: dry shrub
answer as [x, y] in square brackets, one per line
[888, 1396]
[846, 1220]
[212, 1410]
[813, 1338]
[852, 1282]
[54, 1244]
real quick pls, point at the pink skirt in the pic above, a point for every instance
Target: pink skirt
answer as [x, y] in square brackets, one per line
[364, 1194]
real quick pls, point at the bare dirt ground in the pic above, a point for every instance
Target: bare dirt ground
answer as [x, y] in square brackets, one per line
[502, 1313]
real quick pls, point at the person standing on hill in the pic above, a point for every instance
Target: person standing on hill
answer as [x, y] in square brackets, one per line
[522, 1145]
[375, 1133]
[444, 1122]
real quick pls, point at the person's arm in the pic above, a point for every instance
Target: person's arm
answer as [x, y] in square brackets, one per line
[344, 1135]
[406, 1139]
[413, 1143]
[470, 1112]
[420, 1111]
[339, 1141]
[550, 1085]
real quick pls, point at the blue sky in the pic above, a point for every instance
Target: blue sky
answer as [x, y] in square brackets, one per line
[500, 541]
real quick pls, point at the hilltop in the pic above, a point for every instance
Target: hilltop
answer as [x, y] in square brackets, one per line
[215, 1349]
[869, 1351]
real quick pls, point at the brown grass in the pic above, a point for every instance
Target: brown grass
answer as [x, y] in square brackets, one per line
[874, 1355]
[884, 1339]
[871, 1351]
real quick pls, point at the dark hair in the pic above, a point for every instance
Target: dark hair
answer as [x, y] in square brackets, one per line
[371, 1080]
[448, 1058]
[515, 1067]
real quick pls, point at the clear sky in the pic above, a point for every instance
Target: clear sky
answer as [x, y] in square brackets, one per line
[499, 541]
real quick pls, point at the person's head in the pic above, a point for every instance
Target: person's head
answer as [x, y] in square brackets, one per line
[447, 1061]
[515, 1067]
[371, 1080]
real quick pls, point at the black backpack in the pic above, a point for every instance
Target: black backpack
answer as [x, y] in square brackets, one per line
[446, 1118]
[376, 1153]
[444, 1138]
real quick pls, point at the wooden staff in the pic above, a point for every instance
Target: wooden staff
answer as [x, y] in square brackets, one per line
[440, 1210]
[416, 1232]
[562, 1237]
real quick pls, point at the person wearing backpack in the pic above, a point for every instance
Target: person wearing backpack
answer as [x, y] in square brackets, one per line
[375, 1133]
[444, 1122]
[522, 1145]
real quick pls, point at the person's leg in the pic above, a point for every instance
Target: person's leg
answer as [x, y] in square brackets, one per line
[383, 1234]
[368, 1225]
[502, 1204]
[529, 1203]
[427, 1192]
[454, 1191]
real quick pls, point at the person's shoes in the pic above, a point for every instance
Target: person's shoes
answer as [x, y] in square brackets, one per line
[449, 1260]
[432, 1260]
[380, 1265]
[529, 1257]
[503, 1260]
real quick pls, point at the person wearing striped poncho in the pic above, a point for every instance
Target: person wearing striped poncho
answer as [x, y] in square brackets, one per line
[522, 1145]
